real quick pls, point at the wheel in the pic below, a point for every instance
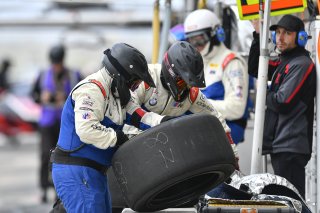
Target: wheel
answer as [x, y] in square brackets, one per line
[117, 198]
[173, 163]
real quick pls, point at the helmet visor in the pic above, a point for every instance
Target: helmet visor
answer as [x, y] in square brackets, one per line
[181, 85]
[198, 40]
[133, 84]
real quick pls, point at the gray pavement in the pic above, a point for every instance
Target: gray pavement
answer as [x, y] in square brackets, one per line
[19, 162]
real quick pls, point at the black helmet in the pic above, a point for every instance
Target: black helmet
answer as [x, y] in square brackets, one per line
[129, 62]
[127, 65]
[182, 62]
[56, 54]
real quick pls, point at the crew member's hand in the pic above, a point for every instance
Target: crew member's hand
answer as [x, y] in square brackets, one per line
[121, 137]
[256, 25]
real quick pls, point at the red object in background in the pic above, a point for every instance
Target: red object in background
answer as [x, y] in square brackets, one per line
[18, 114]
[13, 126]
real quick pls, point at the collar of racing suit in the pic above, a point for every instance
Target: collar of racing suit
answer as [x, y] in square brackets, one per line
[118, 88]
[216, 50]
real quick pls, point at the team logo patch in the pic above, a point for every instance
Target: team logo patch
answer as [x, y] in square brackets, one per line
[212, 72]
[86, 115]
[87, 102]
[239, 92]
[177, 104]
[85, 109]
[213, 66]
[153, 101]
[235, 74]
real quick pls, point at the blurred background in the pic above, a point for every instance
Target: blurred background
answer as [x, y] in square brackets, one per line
[86, 28]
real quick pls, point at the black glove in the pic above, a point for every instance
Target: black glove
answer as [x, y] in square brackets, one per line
[166, 118]
[121, 137]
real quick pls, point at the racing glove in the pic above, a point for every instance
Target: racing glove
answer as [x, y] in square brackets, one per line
[121, 137]
[235, 150]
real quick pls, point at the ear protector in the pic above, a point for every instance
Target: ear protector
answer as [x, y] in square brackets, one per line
[301, 40]
[218, 34]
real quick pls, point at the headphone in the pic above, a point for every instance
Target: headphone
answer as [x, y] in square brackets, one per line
[301, 40]
[218, 34]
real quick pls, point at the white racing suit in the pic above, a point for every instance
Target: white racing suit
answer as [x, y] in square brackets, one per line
[90, 117]
[160, 101]
[227, 87]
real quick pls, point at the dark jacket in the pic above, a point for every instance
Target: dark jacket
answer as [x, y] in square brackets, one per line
[289, 114]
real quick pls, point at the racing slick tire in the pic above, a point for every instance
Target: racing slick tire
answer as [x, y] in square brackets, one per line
[173, 163]
[117, 198]
[118, 201]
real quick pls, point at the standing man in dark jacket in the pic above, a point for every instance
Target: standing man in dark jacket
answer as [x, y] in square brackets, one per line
[290, 100]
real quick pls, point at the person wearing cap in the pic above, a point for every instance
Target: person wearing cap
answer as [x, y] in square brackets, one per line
[225, 71]
[288, 127]
[50, 90]
[91, 128]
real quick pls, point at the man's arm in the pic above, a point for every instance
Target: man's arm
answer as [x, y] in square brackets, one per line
[138, 117]
[254, 53]
[89, 109]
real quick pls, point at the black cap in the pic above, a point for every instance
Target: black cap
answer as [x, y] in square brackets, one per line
[290, 23]
[56, 54]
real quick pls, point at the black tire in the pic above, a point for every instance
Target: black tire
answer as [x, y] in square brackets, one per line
[117, 198]
[173, 163]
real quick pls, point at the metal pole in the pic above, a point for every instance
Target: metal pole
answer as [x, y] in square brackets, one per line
[261, 94]
[155, 29]
[265, 157]
[202, 4]
[165, 30]
[317, 61]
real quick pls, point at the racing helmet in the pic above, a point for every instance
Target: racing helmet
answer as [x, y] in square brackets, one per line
[182, 68]
[203, 28]
[128, 67]
[56, 54]
[129, 63]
